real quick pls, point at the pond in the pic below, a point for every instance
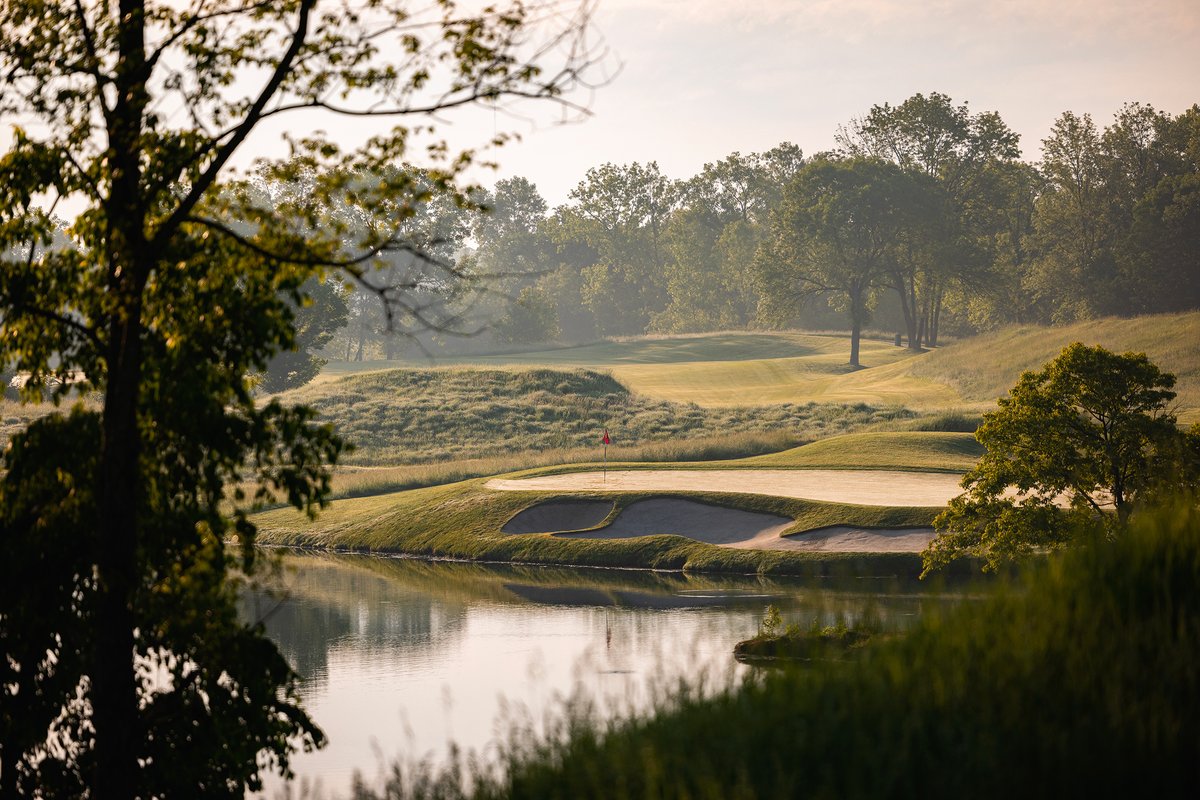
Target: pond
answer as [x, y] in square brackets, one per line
[400, 657]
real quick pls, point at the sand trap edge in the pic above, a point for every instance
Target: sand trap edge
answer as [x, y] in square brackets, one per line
[559, 516]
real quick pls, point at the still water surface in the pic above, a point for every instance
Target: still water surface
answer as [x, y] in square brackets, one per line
[400, 657]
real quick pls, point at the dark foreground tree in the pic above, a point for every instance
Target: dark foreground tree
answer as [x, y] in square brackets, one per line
[1089, 436]
[125, 671]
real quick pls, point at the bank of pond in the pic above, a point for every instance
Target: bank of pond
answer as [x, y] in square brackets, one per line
[1076, 676]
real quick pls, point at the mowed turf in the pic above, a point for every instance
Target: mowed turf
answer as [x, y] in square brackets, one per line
[932, 451]
[728, 369]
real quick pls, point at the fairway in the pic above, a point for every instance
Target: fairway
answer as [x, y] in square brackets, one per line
[726, 369]
[749, 369]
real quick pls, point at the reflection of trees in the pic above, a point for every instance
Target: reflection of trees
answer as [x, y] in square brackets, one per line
[368, 605]
[322, 604]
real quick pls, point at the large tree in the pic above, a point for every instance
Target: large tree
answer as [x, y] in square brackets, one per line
[930, 135]
[836, 234]
[125, 671]
[1090, 436]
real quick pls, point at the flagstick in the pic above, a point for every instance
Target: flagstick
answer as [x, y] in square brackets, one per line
[605, 464]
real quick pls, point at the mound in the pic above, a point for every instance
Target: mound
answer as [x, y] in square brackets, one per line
[559, 515]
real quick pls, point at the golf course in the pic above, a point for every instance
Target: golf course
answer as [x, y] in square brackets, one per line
[744, 452]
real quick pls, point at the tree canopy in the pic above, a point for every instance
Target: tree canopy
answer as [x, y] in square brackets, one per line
[125, 669]
[1087, 439]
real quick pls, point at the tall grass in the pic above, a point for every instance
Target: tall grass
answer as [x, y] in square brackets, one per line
[1077, 680]
[408, 416]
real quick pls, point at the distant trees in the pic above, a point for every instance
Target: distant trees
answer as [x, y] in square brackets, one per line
[1089, 436]
[1105, 222]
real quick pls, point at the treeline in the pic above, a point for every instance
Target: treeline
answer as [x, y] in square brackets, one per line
[924, 221]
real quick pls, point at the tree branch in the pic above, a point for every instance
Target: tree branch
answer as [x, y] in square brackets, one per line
[252, 118]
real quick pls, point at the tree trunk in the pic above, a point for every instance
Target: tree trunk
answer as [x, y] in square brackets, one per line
[906, 289]
[114, 690]
[856, 318]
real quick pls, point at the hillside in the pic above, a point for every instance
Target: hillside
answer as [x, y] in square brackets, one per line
[984, 367]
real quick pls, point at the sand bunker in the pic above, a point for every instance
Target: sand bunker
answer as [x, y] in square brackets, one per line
[559, 515]
[731, 527]
[858, 487]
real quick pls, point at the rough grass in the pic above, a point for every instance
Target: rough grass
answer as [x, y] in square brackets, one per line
[463, 521]
[455, 413]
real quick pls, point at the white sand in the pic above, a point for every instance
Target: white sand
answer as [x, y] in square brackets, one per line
[857, 487]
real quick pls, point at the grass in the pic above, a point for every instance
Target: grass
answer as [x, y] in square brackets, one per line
[1077, 680]
[731, 369]
[817, 641]
[917, 451]
[463, 520]
[985, 367]
[908, 450]
[456, 413]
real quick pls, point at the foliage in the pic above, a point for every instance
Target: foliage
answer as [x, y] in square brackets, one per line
[775, 640]
[839, 227]
[125, 670]
[319, 313]
[1087, 437]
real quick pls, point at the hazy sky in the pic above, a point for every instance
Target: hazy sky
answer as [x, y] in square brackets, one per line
[702, 78]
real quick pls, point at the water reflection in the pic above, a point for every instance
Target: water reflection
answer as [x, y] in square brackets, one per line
[401, 656]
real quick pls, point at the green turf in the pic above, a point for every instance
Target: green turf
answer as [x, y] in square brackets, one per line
[985, 367]
[729, 369]
[463, 521]
[910, 450]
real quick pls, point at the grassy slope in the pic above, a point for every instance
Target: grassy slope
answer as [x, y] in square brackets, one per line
[464, 519]
[985, 367]
[913, 450]
[737, 369]
[731, 369]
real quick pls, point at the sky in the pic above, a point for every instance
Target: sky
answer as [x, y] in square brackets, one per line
[698, 79]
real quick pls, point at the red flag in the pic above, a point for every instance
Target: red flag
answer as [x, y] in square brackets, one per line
[606, 439]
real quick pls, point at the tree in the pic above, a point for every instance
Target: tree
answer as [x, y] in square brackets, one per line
[317, 313]
[834, 234]
[621, 212]
[125, 670]
[931, 136]
[1088, 438]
